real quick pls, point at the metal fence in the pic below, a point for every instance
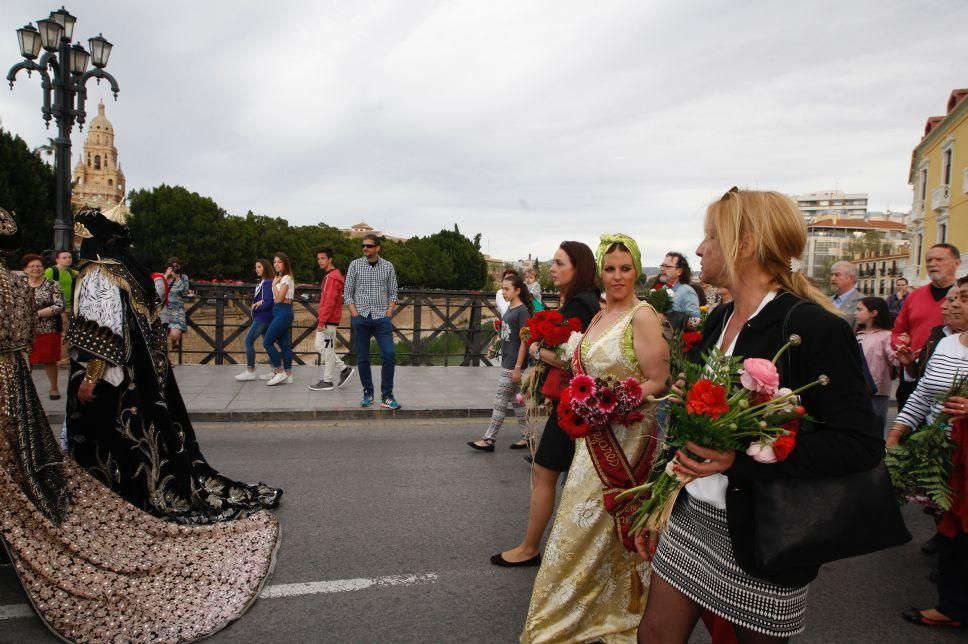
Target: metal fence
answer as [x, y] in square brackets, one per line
[446, 328]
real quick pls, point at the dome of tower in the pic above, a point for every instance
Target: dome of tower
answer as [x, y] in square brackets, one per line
[101, 122]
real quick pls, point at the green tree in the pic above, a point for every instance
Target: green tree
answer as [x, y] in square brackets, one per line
[27, 187]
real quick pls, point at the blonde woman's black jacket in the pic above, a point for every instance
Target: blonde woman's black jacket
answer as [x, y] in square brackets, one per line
[845, 437]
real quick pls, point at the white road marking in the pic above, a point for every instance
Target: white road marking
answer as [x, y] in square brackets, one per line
[14, 611]
[344, 585]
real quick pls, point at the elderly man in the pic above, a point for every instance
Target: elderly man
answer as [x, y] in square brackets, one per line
[843, 277]
[922, 310]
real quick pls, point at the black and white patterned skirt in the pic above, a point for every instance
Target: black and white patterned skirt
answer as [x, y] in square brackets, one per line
[696, 557]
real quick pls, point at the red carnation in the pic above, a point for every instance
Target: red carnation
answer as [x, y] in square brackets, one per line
[574, 324]
[689, 340]
[633, 417]
[707, 398]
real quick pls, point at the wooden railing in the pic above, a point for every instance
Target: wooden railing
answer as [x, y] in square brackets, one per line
[447, 328]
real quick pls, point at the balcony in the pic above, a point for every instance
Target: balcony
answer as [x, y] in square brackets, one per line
[917, 212]
[940, 198]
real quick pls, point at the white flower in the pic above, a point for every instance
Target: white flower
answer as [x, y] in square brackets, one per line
[567, 350]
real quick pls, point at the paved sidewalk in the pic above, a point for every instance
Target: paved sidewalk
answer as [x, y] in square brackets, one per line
[212, 394]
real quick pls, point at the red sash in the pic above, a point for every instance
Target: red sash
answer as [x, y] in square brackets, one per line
[615, 471]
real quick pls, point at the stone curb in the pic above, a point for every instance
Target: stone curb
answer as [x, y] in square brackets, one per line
[317, 414]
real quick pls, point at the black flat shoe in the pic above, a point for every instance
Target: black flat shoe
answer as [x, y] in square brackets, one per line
[915, 616]
[499, 560]
[55, 396]
[521, 445]
[529, 458]
[481, 448]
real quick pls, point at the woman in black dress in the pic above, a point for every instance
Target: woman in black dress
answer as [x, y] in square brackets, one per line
[574, 272]
[705, 558]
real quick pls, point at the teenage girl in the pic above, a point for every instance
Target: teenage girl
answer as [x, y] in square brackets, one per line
[519, 311]
[874, 335]
[277, 341]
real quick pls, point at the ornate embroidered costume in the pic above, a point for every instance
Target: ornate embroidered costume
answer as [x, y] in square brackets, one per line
[94, 567]
[582, 591]
[136, 436]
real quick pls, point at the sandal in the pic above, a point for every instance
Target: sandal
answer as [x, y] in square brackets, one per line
[521, 444]
[55, 395]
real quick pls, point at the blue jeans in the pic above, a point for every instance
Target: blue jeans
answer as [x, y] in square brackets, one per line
[382, 329]
[258, 328]
[278, 333]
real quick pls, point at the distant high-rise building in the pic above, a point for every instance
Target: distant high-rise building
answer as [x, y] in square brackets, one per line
[832, 202]
[835, 219]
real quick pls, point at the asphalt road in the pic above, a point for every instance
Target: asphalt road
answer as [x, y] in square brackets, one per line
[389, 528]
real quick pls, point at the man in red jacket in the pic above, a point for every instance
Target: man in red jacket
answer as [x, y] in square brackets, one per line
[335, 373]
[921, 312]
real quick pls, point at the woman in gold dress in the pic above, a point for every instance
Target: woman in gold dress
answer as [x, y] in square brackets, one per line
[590, 586]
[94, 567]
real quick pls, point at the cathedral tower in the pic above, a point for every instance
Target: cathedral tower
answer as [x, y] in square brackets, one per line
[98, 179]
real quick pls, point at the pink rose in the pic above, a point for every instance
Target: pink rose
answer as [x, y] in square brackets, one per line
[759, 376]
[761, 453]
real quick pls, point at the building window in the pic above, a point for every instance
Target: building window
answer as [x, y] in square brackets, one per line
[97, 161]
[946, 167]
[942, 232]
[924, 183]
[110, 182]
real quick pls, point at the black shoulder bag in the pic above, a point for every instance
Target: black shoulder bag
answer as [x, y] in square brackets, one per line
[810, 522]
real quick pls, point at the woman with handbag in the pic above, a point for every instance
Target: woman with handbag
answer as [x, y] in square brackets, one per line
[709, 558]
[573, 272]
[512, 361]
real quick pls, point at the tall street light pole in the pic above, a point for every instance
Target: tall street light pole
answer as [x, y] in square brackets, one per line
[64, 73]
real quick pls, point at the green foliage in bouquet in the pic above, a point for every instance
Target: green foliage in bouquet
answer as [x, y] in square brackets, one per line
[920, 467]
[660, 299]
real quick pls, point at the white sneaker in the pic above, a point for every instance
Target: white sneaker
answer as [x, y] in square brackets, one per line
[277, 379]
[246, 375]
[289, 379]
[266, 376]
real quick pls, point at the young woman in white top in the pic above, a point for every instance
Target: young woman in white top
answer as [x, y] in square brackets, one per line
[277, 340]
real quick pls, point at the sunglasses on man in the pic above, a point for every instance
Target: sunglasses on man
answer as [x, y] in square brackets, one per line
[369, 245]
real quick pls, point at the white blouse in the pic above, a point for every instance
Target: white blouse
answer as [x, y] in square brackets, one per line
[277, 287]
[712, 489]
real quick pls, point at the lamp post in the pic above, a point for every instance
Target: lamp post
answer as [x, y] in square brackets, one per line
[63, 70]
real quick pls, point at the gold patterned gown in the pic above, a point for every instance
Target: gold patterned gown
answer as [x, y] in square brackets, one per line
[583, 591]
[94, 567]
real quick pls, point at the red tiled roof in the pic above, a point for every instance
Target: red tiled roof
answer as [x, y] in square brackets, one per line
[848, 222]
[931, 123]
[956, 97]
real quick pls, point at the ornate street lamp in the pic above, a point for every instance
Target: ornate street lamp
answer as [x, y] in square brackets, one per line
[64, 73]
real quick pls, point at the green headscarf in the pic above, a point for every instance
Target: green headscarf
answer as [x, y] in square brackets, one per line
[607, 241]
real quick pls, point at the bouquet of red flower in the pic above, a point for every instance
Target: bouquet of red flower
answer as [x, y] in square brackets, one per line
[726, 403]
[659, 298]
[550, 328]
[589, 402]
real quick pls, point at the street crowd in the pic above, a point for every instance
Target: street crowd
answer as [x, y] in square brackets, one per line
[128, 533]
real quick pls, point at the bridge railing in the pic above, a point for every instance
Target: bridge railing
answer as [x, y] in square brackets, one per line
[444, 328]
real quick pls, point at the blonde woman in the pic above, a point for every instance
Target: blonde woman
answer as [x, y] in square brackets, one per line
[705, 559]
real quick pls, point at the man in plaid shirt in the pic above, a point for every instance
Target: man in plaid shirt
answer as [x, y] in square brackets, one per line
[371, 294]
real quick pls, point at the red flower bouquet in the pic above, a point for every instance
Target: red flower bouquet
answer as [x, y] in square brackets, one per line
[726, 403]
[589, 402]
[550, 328]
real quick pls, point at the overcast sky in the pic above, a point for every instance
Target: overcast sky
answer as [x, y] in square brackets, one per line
[529, 122]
